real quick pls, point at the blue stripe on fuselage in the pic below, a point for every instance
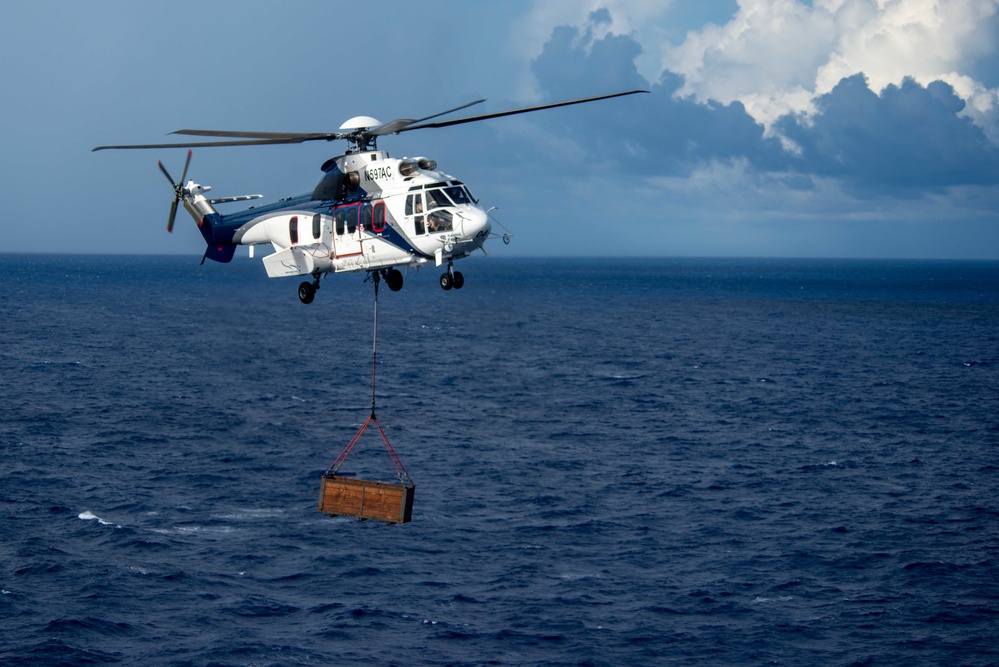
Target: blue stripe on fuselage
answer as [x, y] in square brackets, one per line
[220, 229]
[228, 224]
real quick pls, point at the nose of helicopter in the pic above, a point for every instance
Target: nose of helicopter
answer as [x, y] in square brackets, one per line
[477, 226]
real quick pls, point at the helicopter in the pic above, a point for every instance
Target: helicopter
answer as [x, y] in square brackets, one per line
[369, 212]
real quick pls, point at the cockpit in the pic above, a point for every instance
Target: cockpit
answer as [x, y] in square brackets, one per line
[428, 205]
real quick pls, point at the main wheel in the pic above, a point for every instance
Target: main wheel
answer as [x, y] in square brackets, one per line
[459, 280]
[393, 277]
[447, 282]
[306, 292]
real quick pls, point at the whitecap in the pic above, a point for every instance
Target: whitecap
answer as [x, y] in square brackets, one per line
[194, 530]
[251, 514]
[90, 516]
[204, 530]
[763, 600]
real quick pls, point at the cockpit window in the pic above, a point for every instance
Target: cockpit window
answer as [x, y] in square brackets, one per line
[439, 221]
[467, 192]
[436, 199]
[457, 195]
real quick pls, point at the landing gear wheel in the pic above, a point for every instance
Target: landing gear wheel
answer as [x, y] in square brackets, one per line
[393, 277]
[458, 280]
[447, 281]
[306, 292]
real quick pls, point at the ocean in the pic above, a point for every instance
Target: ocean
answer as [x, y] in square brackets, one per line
[617, 462]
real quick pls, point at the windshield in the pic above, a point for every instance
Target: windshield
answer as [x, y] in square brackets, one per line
[457, 195]
[450, 195]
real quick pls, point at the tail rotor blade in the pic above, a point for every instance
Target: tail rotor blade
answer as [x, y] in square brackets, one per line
[165, 172]
[183, 177]
[178, 189]
[173, 215]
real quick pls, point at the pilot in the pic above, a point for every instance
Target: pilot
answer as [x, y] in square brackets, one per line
[435, 222]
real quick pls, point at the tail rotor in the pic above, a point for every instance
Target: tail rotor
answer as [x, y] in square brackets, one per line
[178, 189]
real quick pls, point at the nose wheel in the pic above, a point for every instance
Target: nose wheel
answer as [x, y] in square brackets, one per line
[452, 279]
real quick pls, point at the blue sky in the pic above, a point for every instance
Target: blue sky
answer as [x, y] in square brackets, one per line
[831, 128]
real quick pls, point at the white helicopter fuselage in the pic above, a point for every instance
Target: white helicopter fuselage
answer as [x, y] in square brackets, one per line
[370, 212]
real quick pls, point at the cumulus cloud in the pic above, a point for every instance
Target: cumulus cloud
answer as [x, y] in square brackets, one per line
[907, 140]
[902, 139]
[647, 21]
[778, 56]
[662, 133]
[766, 57]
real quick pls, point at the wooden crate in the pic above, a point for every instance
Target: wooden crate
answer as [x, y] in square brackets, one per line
[347, 496]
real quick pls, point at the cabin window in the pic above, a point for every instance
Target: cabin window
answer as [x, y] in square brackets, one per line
[378, 223]
[293, 229]
[414, 207]
[366, 218]
[339, 222]
[317, 226]
[414, 204]
[439, 221]
[352, 220]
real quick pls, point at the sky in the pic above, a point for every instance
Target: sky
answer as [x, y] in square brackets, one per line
[774, 128]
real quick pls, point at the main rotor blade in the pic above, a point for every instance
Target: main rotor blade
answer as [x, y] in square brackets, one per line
[396, 126]
[392, 127]
[512, 112]
[256, 135]
[209, 144]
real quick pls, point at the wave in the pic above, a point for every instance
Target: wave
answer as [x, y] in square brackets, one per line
[90, 516]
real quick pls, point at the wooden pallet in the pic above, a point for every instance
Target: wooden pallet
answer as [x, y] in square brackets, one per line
[364, 499]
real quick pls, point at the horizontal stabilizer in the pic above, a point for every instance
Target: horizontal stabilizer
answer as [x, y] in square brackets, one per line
[289, 262]
[226, 200]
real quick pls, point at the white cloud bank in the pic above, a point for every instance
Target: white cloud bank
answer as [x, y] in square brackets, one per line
[778, 56]
[884, 104]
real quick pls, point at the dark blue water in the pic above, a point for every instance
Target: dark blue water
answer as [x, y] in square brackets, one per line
[672, 462]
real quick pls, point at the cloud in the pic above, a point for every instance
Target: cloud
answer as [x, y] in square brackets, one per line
[649, 22]
[906, 139]
[778, 56]
[766, 57]
[658, 134]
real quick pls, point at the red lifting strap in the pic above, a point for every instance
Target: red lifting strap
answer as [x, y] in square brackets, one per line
[400, 469]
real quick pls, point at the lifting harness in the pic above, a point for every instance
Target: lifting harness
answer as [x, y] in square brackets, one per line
[400, 470]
